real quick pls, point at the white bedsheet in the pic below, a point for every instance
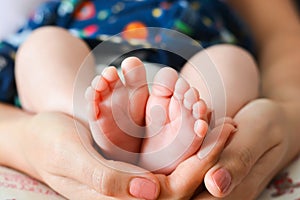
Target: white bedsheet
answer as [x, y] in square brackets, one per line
[15, 185]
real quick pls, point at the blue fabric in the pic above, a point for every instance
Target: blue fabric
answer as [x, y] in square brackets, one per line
[207, 21]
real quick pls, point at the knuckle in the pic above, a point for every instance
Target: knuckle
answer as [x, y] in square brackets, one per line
[104, 181]
[245, 159]
[184, 191]
[242, 161]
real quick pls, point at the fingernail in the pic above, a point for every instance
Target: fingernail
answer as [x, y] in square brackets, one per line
[143, 188]
[222, 179]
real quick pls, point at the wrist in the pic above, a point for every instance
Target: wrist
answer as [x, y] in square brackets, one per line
[291, 111]
[13, 133]
[284, 127]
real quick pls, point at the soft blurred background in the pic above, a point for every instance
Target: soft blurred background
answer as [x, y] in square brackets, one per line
[13, 14]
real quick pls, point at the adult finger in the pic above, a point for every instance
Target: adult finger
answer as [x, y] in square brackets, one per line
[72, 189]
[251, 142]
[257, 179]
[259, 176]
[78, 160]
[188, 175]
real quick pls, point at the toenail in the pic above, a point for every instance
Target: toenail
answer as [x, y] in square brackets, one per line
[181, 85]
[110, 73]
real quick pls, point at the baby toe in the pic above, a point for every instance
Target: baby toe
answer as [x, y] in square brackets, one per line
[190, 98]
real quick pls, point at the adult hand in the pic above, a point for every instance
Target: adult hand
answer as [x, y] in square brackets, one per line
[260, 148]
[67, 162]
[188, 175]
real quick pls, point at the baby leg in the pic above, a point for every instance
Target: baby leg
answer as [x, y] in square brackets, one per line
[237, 70]
[46, 72]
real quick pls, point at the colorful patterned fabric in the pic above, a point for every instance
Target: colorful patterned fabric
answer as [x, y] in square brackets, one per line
[206, 21]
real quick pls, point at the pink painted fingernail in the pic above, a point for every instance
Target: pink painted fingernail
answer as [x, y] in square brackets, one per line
[143, 188]
[222, 179]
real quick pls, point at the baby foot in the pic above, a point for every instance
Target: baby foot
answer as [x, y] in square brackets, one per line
[117, 110]
[176, 125]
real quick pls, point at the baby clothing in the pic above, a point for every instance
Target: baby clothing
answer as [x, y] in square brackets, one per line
[208, 22]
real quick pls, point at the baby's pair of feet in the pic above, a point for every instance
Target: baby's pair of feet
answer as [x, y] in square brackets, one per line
[156, 131]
